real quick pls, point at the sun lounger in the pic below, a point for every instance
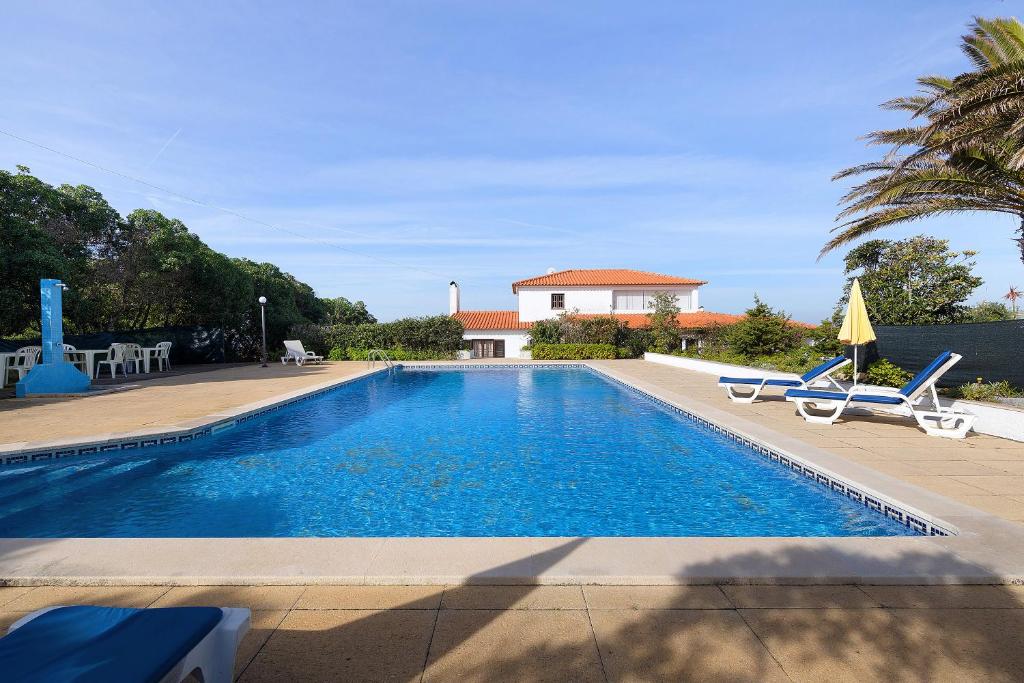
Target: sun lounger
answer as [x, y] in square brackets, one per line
[293, 351]
[825, 407]
[85, 643]
[757, 384]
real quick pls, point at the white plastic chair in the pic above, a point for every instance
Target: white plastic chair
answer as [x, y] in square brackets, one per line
[77, 359]
[24, 359]
[293, 351]
[163, 355]
[115, 357]
[134, 355]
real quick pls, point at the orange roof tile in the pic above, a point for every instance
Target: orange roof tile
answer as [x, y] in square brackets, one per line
[603, 276]
[491, 320]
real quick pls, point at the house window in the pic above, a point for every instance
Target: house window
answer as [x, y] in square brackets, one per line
[637, 300]
[558, 302]
[488, 348]
[629, 301]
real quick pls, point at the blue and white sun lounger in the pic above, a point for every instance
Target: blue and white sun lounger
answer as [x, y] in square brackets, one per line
[162, 645]
[825, 407]
[757, 384]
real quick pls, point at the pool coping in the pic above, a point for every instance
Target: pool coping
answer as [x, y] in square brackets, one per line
[984, 549]
[20, 453]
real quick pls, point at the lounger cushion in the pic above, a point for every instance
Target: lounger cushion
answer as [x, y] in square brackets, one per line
[758, 380]
[104, 643]
[920, 378]
[839, 396]
[822, 369]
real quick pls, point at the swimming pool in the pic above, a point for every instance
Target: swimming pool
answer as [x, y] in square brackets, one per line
[526, 451]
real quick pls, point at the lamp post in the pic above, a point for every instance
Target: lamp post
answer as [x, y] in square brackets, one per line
[263, 322]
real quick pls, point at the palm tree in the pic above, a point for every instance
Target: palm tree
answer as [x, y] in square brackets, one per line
[1012, 297]
[953, 162]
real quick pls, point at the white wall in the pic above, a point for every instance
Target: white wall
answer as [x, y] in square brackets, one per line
[535, 302]
[514, 341]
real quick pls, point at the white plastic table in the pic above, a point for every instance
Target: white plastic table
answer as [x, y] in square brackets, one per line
[148, 353]
[90, 359]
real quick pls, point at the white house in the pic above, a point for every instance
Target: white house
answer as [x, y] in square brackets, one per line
[624, 294]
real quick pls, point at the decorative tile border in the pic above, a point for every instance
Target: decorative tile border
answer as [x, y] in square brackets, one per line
[890, 509]
[491, 366]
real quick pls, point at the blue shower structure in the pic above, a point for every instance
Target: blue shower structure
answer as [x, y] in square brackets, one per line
[53, 374]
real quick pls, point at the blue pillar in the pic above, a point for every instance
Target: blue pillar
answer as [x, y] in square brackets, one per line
[52, 375]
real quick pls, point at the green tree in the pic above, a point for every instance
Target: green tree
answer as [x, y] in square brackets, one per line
[46, 231]
[762, 332]
[988, 312]
[143, 270]
[916, 281]
[664, 321]
[341, 311]
[825, 337]
[964, 151]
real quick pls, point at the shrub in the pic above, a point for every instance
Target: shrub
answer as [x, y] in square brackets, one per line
[886, 374]
[762, 332]
[546, 332]
[603, 329]
[825, 338]
[337, 353]
[635, 342]
[397, 353]
[988, 391]
[439, 333]
[572, 351]
[664, 316]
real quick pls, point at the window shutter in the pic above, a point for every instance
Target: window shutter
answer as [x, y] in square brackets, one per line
[499, 348]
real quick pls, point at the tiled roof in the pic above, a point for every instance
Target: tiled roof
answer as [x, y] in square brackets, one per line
[602, 277]
[491, 320]
[509, 320]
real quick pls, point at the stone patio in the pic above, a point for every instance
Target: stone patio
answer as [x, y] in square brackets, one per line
[600, 633]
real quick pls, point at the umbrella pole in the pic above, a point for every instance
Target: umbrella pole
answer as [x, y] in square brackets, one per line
[855, 365]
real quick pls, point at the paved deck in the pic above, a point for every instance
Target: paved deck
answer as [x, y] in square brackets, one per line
[601, 633]
[160, 402]
[982, 471]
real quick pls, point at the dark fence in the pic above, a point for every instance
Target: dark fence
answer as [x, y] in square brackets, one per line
[189, 344]
[992, 351]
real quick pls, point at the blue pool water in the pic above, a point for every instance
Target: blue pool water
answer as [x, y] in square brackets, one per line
[481, 452]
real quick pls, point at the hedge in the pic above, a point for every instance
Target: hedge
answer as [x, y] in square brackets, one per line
[394, 354]
[572, 351]
[439, 333]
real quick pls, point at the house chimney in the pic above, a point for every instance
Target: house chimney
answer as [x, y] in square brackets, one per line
[453, 298]
[551, 270]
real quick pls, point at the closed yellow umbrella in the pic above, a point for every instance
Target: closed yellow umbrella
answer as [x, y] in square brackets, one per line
[856, 329]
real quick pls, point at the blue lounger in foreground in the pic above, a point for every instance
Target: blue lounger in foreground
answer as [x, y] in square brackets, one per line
[757, 384]
[160, 645]
[825, 407]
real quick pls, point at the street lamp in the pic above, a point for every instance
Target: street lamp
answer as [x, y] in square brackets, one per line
[263, 322]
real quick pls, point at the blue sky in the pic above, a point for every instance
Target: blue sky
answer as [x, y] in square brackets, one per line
[396, 146]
